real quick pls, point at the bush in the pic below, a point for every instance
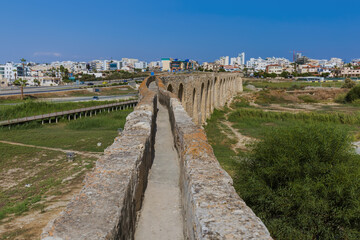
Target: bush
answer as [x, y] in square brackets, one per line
[307, 99]
[303, 181]
[353, 94]
[348, 83]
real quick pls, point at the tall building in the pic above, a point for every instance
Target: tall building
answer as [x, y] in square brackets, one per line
[166, 64]
[224, 60]
[239, 60]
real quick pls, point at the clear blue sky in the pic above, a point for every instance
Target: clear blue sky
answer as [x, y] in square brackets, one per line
[79, 30]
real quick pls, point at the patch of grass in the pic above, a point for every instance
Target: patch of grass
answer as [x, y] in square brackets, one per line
[293, 84]
[82, 134]
[303, 182]
[307, 99]
[32, 108]
[34, 173]
[265, 98]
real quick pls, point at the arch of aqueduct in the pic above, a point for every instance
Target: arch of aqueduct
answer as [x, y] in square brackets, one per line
[107, 207]
[201, 93]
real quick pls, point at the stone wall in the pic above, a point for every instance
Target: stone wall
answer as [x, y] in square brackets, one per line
[212, 208]
[202, 92]
[107, 205]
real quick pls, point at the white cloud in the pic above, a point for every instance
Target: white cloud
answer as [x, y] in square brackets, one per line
[53, 54]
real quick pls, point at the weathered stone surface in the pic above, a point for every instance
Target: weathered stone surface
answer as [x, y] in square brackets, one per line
[212, 208]
[106, 206]
[201, 93]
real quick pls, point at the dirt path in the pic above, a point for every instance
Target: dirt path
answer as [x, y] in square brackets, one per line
[87, 154]
[242, 140]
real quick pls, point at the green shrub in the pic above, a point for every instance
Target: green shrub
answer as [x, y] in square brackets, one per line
[348, 83]
[353, 94]
[307, 99]
[340, 98]
[303, 181]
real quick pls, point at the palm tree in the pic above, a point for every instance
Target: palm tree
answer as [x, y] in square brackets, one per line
[22, 83]
[23, 61]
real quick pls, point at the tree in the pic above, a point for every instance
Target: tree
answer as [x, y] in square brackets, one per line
[303, 181]
[15, 73]
[348, 83]
[37, 82]
[22, 83]
[23, 61]
[273, 75]
[284, 74]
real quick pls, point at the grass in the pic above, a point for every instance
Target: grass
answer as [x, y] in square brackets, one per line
[29, 175]
[292, 84]
[254, 122]
[257, 123]
[32, 108]
[82, 134]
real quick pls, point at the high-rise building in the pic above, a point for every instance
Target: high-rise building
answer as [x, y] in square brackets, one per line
[224, 60]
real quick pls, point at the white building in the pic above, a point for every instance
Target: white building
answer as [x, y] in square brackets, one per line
[239, 60]
[8, 71]
[141, 65]
[260, 64]
[224, 60]
[155, 64]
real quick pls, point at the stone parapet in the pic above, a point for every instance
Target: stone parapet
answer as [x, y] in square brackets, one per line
[107, 205]
[212, 208]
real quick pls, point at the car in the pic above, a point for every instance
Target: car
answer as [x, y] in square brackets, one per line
[95, 98]
[90, 84]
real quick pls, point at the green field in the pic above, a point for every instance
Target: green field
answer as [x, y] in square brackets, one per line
[32, 178]
[299, 188]
[32, 108]
[291, 84]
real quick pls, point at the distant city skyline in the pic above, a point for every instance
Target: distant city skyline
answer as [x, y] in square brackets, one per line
[46, 31]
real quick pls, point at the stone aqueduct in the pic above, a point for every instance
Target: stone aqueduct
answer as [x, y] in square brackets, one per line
[107, 207]
[200, 94]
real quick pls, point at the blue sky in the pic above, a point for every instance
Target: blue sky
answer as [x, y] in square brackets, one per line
[79, 30]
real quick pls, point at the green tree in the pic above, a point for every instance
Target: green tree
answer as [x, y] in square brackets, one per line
[23, 61]
[348, 83]
[22, 83]
[303, 181]
[37, 82]
[273, 75]
[284, 74]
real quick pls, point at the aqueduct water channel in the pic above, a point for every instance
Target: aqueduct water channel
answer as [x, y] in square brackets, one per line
[160, 178]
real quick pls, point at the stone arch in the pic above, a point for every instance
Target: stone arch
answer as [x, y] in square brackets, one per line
[208, 99]
[194, 107]
[170, 88]
[203, 103]
[181, 92]
[215, 94]
[220, 93]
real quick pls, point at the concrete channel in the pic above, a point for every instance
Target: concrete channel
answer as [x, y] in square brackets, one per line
[161, 214]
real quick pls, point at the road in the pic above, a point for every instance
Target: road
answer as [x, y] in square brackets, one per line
[86, 99]
[33, 90]
[14, 90]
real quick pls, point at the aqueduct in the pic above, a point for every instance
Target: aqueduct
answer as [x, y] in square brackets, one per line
[201, 93]
[111, 204]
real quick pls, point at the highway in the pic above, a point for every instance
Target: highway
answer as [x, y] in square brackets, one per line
[33, 90]
[86, 99]
[15, 90]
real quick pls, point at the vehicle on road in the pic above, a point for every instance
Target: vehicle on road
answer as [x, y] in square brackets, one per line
[95, 98]
[90, 84]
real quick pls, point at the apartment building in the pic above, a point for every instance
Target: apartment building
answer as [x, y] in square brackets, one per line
[274, 69]
[350, 72]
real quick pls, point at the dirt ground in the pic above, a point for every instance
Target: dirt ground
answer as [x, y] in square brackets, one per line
[30, 226]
